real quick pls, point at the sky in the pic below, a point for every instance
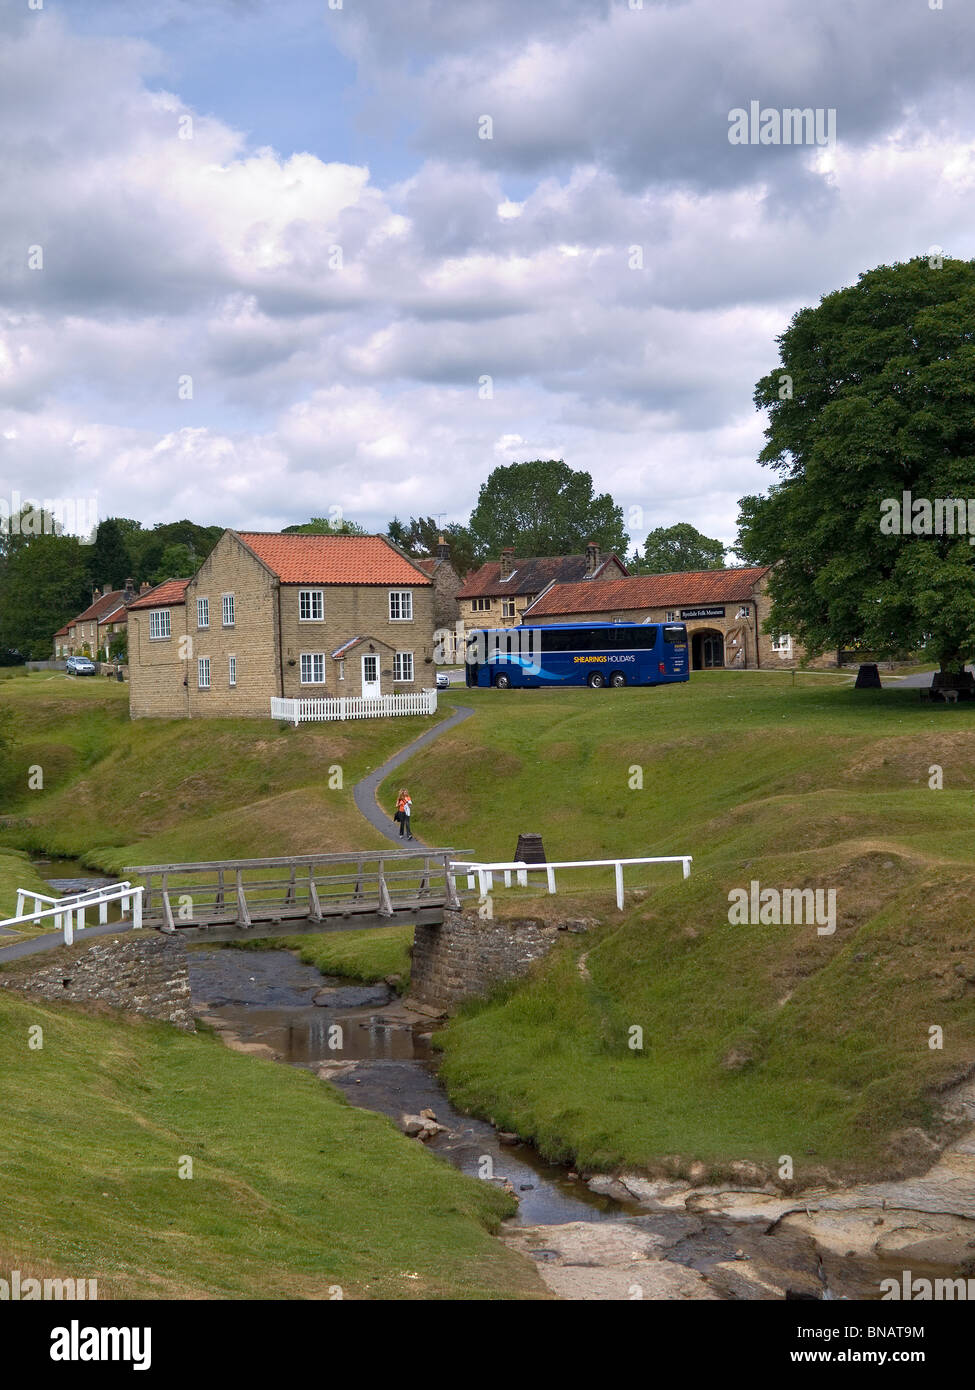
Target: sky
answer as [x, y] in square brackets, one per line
[265, 261]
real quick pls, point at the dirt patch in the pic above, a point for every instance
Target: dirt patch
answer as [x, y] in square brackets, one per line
[908, 760]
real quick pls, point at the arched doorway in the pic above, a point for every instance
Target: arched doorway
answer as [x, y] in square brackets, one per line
[707, 650]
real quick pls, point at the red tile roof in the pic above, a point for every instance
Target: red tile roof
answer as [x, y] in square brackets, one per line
[692, 588]
[304, 559]
[169, 594]
[532, 575]
[428, 564]
[63, 631]
[97, 611]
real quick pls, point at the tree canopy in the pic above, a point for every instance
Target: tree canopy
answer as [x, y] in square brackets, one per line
[420, 535]
[680, 547]
[873, 402]
[321, 526]
[544, 508]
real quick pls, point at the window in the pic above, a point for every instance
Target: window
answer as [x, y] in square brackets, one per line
[480, 605]
[401, 605]
[311, 605]
[403, 666]
[671, 616]
[675, 636]
[341, 670]
[203, 673]
[507, 608]
[203, 612]
[313, 668]
[159, 624]
[232, 669]
[782, 643]
[228, 610]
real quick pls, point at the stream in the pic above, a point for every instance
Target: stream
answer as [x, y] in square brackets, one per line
[387, 1065]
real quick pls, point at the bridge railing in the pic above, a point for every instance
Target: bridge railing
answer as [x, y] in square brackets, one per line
[242, 891]
[485, 872]
[69, 913]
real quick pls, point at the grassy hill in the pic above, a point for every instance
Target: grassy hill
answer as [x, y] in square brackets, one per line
[293, 1190]
[758, 1041]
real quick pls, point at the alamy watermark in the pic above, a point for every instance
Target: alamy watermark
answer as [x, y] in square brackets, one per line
[925, 1290]
[24, 516]
[790, 125]
[923, 516]
[25, 1289]
[756, 906]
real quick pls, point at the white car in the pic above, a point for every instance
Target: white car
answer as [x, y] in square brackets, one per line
[443, 680]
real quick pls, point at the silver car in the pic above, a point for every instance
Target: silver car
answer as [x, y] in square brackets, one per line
[79, 666]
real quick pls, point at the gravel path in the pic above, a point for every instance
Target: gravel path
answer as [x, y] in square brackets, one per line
[364, 792]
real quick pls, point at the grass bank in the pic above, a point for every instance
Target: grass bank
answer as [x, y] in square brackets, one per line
[757, 1041]
[293, 1191]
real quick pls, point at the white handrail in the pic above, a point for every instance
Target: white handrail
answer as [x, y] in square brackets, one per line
[69, 913]
[485, 872]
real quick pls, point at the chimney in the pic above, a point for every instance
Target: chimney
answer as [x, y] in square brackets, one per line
[128, 593]
[144, 587]
[507, 561]
[443, 549]
[592, 557]
[96, 595]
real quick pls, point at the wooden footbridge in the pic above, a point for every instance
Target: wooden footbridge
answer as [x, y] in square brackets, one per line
[231, 899]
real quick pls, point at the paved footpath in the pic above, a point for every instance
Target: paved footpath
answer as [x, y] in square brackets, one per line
[51, 940]
[364, 792]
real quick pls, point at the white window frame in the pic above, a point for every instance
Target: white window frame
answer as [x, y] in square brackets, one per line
[202, 612]
[311, 657]
[671, 616]
[312, 595]
[782, 644]
[203, 673]
[227, 605]
[403, 661]
[232, 670]
[160, 618]
[404, 600]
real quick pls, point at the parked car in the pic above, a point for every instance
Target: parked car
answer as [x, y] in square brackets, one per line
[443, 680]
[79, 666]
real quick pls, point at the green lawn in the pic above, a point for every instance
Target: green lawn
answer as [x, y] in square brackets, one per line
[293, 1191]
[758, 1041]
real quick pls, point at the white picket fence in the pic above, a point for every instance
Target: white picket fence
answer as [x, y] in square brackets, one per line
[69, 913]
[353, 706]
[485, 872]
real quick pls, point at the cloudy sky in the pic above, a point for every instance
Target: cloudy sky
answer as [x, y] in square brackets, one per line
[260, 262]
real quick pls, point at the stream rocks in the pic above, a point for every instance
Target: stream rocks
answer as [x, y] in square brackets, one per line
[423, 1126]
[606, 1260]
[352, 996]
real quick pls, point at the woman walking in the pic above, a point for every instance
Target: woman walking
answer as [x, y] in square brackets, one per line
[404, 808]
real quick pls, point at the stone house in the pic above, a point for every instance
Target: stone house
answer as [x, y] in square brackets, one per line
[501, 591]
[447, 583]
[94, 629]
[724, 611]
[281, 614]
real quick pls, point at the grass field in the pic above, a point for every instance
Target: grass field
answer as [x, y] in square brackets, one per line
[293, 1191]
[758, 1041]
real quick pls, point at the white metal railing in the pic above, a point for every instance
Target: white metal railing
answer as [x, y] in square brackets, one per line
[485, 872]
[353, 706]
[70, 911]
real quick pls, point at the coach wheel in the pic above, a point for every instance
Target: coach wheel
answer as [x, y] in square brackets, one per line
[596, 679]
[502, 682]
[617, 679]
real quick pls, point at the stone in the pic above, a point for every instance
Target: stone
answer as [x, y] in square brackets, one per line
[428, 1114]
[351, 996]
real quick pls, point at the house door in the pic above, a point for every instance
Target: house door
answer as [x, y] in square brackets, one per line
[370, 677]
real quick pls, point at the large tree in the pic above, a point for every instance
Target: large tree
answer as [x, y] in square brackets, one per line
[109, 559]
[544, 508]
[42, 585]
[321, 526]
[680, 547]
[874, 398]
[421, 535]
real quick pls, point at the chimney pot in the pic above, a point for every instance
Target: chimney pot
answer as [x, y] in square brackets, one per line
[507, 557]
[592, 556]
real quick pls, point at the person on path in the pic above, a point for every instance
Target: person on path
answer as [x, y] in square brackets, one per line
[404, 807]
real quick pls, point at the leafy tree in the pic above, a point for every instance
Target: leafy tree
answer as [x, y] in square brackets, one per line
[198, 540]
[321, 526]
[109, 560]
[420, 536]
[874, 398]
[544, 508]
[679, 547]
[42, 585]
[175, 562]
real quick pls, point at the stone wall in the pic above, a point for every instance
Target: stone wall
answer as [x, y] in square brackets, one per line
[146, 976]
[468, 956]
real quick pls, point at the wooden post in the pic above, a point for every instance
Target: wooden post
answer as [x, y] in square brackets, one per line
[385, 904]
[291, 887]
[220, 889]
[424, 889]
[168, 924]
[452, 899]
[243, 916]
[316, 907]
[619, 885]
